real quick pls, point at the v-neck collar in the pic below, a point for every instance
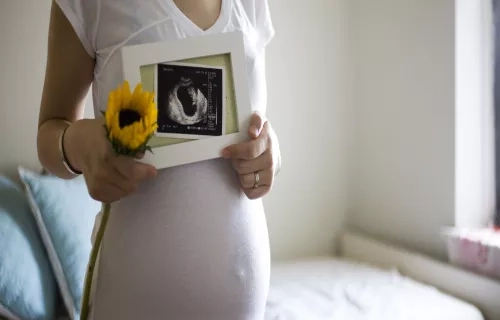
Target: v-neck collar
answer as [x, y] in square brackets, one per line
[218, 26]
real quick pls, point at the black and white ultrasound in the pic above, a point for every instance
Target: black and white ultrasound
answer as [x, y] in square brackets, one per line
[190, 100]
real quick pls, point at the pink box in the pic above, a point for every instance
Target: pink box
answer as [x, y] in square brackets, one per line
[475, 250]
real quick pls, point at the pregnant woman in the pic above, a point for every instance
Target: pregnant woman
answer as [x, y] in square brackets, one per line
[188, 242]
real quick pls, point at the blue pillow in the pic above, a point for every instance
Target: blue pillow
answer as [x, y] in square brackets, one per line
[27, 285]
[65, 215]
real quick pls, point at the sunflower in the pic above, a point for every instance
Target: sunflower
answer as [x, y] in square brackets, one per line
[130, 119]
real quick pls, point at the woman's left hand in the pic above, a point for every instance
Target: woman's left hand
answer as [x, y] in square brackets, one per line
[256, 161]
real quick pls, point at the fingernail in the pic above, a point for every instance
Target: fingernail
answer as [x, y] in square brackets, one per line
[254, 130]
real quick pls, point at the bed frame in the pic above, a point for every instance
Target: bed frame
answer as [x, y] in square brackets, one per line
[478, 290]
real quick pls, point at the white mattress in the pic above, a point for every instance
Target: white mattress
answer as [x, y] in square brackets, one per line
[336, 289]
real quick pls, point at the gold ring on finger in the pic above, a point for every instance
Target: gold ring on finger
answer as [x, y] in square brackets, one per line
[257, 179]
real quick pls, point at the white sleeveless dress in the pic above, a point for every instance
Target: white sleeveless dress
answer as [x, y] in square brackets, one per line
[188, 244]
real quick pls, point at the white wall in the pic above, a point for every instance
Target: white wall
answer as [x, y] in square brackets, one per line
[307, 68]
[306, 98]
[23, 46]
[421, 120]
[402, 120]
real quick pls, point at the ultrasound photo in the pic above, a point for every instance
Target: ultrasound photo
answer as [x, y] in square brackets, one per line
[190, 100]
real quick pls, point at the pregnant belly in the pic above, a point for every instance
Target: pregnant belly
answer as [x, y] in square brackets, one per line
[189, 244]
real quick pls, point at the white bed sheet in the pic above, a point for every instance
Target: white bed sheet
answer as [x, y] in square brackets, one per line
[338, 289]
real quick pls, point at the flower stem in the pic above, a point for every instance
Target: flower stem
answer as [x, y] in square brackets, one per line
[92, 262]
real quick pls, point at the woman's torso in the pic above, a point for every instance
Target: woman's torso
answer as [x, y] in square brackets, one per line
[189, 239]
[130, 22]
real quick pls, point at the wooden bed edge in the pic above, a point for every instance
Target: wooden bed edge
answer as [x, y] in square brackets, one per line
[478, 290]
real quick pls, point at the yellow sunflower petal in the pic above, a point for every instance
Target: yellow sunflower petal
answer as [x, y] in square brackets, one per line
[112, 110]
[131, 136]
[115, 125]
[127, 95]
[145, 104]
[119, 99]
[148, 99]
[136, 96]
[146, 127]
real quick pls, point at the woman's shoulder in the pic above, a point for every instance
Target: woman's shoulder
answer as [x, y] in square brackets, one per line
[258, 10]
[104, 24]
[259, 15]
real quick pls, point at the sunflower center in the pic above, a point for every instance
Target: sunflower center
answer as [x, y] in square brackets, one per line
[128, 117]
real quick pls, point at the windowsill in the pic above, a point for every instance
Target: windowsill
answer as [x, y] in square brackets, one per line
[475, 250]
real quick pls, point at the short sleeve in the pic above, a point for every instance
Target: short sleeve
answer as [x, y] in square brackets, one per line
[264, 23]
[260, 16]
[82, 17]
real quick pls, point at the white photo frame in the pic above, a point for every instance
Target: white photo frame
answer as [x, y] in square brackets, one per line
[177, 51]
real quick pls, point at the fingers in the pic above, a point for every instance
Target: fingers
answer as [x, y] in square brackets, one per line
[115, 177]
[133, 170]
[119, 181]
[263, 162]
[249, 180]
[249, 150]
[256, 125]
[254, 156]
[110, 195]
[248, 170]
[256, 193]
[105, 185]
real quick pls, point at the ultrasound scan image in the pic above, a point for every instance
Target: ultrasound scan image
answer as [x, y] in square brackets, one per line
[190, 100]
[186, 105]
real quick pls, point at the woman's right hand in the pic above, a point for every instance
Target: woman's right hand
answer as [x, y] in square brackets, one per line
[109, 177]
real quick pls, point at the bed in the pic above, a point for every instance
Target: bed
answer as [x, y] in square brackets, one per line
[373, 280]
[337, 288]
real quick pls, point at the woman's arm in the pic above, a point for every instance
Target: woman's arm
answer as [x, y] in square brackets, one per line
[68, 78]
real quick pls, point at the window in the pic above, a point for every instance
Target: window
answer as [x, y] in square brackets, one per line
[475, 193]
[496, 18]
